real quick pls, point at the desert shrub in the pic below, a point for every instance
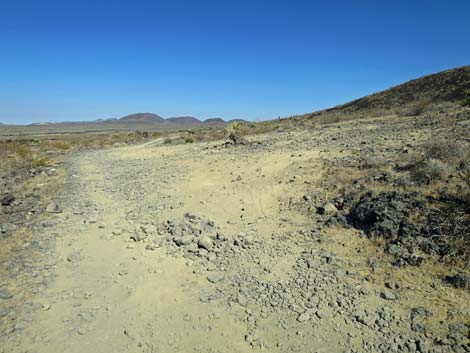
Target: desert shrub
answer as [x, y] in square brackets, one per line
[456, 155]
[39, 161]
[329, 119]
[417, 108]
[61, 145]
[234, 133]
[372, 162]
[199, 136]
[189, 139]
[167, 140]
[466, 101]
[430, 170]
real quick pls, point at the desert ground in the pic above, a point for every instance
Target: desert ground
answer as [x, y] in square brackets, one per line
[212, 247]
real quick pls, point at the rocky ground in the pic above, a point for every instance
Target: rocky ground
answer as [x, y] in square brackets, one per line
[207, 248]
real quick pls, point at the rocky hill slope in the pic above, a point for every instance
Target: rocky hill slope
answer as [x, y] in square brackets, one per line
[444, 86]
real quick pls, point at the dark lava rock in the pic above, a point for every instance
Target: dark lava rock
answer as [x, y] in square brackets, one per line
[385, 214]
[6, 199]
[460, 280]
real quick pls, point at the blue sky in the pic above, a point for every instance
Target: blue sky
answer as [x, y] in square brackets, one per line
[83, 60]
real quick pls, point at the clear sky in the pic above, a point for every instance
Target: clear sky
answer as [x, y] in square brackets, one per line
[82, 60]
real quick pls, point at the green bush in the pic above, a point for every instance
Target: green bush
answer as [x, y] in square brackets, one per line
[189, 139]
[466, 101]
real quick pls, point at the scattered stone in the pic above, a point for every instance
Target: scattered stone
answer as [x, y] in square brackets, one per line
[184, 240]
[138, 237]
[152, 246]
[19, 326]
[73, 257]
[7, 229]
[327, 209]
[5, 294]
[324, 312]
[215, 278]
[46, 306]
[205, 242]
[6, 199]
[250, 339]
[53, 208]
[388, 295]
[3, 312]
[460, 280]
[303, 317]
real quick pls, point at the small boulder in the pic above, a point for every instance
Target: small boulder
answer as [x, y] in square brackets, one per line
[184, 240]
[53, 208]
[215, 278]
[73, 257]
[460, 280]
[388, 295]
[303, 317]
[205, 242]
[327, 209]
[138, 237]
[7, 199]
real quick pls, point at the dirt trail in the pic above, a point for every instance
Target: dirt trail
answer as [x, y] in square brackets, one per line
[268, 280]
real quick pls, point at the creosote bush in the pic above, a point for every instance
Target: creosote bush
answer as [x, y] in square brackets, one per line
[418, 107]
[466, 101]
[189, 139]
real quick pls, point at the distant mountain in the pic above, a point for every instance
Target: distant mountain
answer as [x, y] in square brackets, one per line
[147, 118]
[184, 120]
[214, 121]
[236, 121]
[43, 123]
[110, 120]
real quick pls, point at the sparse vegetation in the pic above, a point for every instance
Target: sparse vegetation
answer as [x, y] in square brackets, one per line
[234, 133]
[189, 139]
[466, 101]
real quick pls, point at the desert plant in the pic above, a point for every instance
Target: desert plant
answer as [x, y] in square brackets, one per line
[189, 139]
[418, 107]
[61, 145]
[466, 101]
[456, 155]
[430, 170]
[234, 133]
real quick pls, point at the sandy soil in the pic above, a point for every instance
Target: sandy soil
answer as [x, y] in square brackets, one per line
[279, 281]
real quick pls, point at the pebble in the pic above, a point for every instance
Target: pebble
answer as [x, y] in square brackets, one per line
[73, 257]
[303, 317]
[215, 277]
[205, 242]
[388, 295]
[5, 294]
[53, 208]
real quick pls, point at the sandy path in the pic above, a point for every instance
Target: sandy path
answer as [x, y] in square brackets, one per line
[111, 295]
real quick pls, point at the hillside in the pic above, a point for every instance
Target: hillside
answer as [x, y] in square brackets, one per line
[142, 118]
[184, 120]
[444, 86]
[214, 121]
